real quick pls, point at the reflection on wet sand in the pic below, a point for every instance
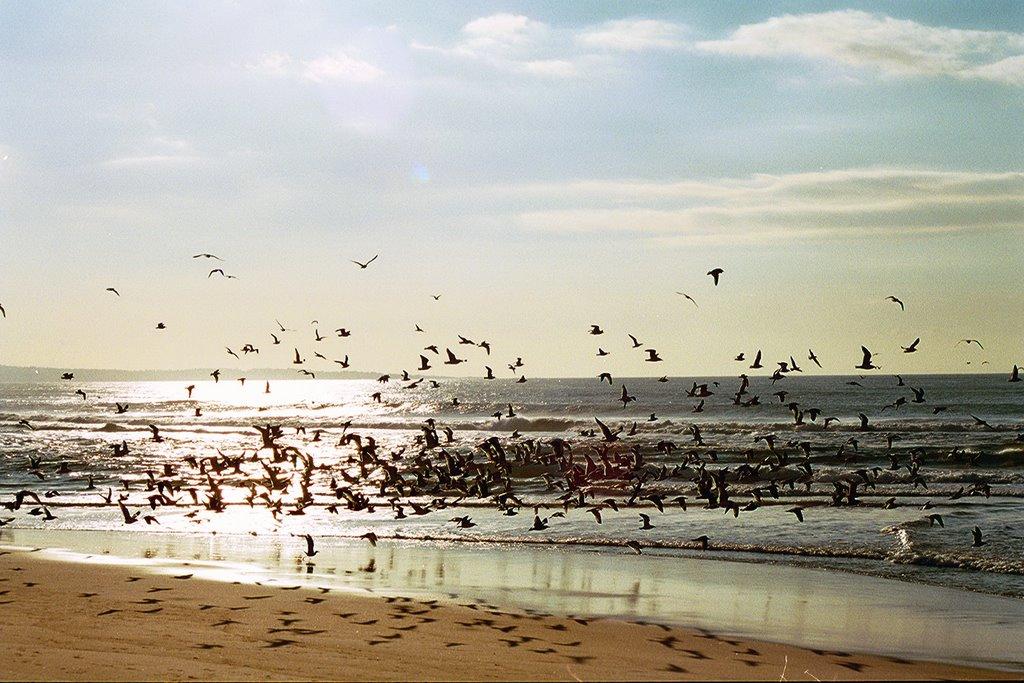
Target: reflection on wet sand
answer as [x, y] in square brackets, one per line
[813, 608]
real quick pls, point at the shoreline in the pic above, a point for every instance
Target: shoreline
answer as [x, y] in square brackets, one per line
[126, 623]
[803, 608]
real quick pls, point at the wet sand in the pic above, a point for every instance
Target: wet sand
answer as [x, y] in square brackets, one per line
[64, 620]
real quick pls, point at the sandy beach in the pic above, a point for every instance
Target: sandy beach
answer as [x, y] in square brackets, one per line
[125, 624]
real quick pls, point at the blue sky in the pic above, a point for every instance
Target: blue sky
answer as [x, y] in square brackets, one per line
[543, 166]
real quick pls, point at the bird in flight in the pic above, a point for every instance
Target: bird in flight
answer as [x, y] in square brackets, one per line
[208, 256]
[896, 301]
[971, 341]
[866, 363]
[715, 273]
[596, 329]
[652, 356]
[363, 266]
[111, 289]
[684, 294]
[812, 357]
[2, 311]
[913, 346]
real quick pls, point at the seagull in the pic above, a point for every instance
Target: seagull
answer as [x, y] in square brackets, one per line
[452, 360]
[625, 397]
[2, 311]
[231, 353]
[161, 326]
[310, 552]
[111, 289]
[1015, 374]
[437, 297]
[812, 357]
[757, 361]
[215, 375]
[866, 363]
[298, 359]
[896, 301]
[596, 329]
[636, 344]
[978, 541]
[798, 511]
[913, 346]
[646, 522]
[129, 518]
[652, 356]
[424, 363]
[684, 294]
[363, 266]
[971, 341]
[715, 274]
[208, 256]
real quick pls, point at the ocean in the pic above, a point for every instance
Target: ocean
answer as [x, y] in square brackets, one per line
[971, 474]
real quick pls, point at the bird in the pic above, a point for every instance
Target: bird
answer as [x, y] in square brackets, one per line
[452, 360]
[798, 511]
[161, 326]
[646, 522]
[625, 397]
[208, 256]
[424, 363]
[971, 341]
[636, 344]
[652, 356]
[896, 301]
[111, 289]
[866, 363]
[363, 266]
[1015, 374]
[298, 359]
[216, 376]
[813, 358]
[978, 541]
[3, 311]
[310, 551]
[715, 273]
[129, 517]
[756, 365]
[913, 346]
[596, 329]
[687, 296]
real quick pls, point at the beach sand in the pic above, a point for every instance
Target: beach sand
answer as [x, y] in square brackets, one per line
[69, 620]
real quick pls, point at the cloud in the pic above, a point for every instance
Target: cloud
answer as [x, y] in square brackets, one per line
[892, 46]
[335, 66]
[829, 204]
[517, 44]
[157, 151]
[633, 35]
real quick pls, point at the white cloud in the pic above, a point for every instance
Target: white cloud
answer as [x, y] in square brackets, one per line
[893, 46]
[633, 35]
[333, 67]
[159, 150]
[845, 203]
[339, 67]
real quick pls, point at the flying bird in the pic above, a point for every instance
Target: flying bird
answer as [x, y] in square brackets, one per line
[363, 266]
[684, 294]
[111, 289]
[715, 274]
[913, 346]
[208, 256]
[896, 301]
[866, 363]
[971, 341]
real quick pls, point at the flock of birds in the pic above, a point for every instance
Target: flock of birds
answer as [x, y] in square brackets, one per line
[603, 471]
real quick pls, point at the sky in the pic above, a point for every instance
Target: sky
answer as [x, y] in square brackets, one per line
[541, 166]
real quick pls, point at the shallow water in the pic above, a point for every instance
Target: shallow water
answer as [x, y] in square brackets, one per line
[809, 607]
